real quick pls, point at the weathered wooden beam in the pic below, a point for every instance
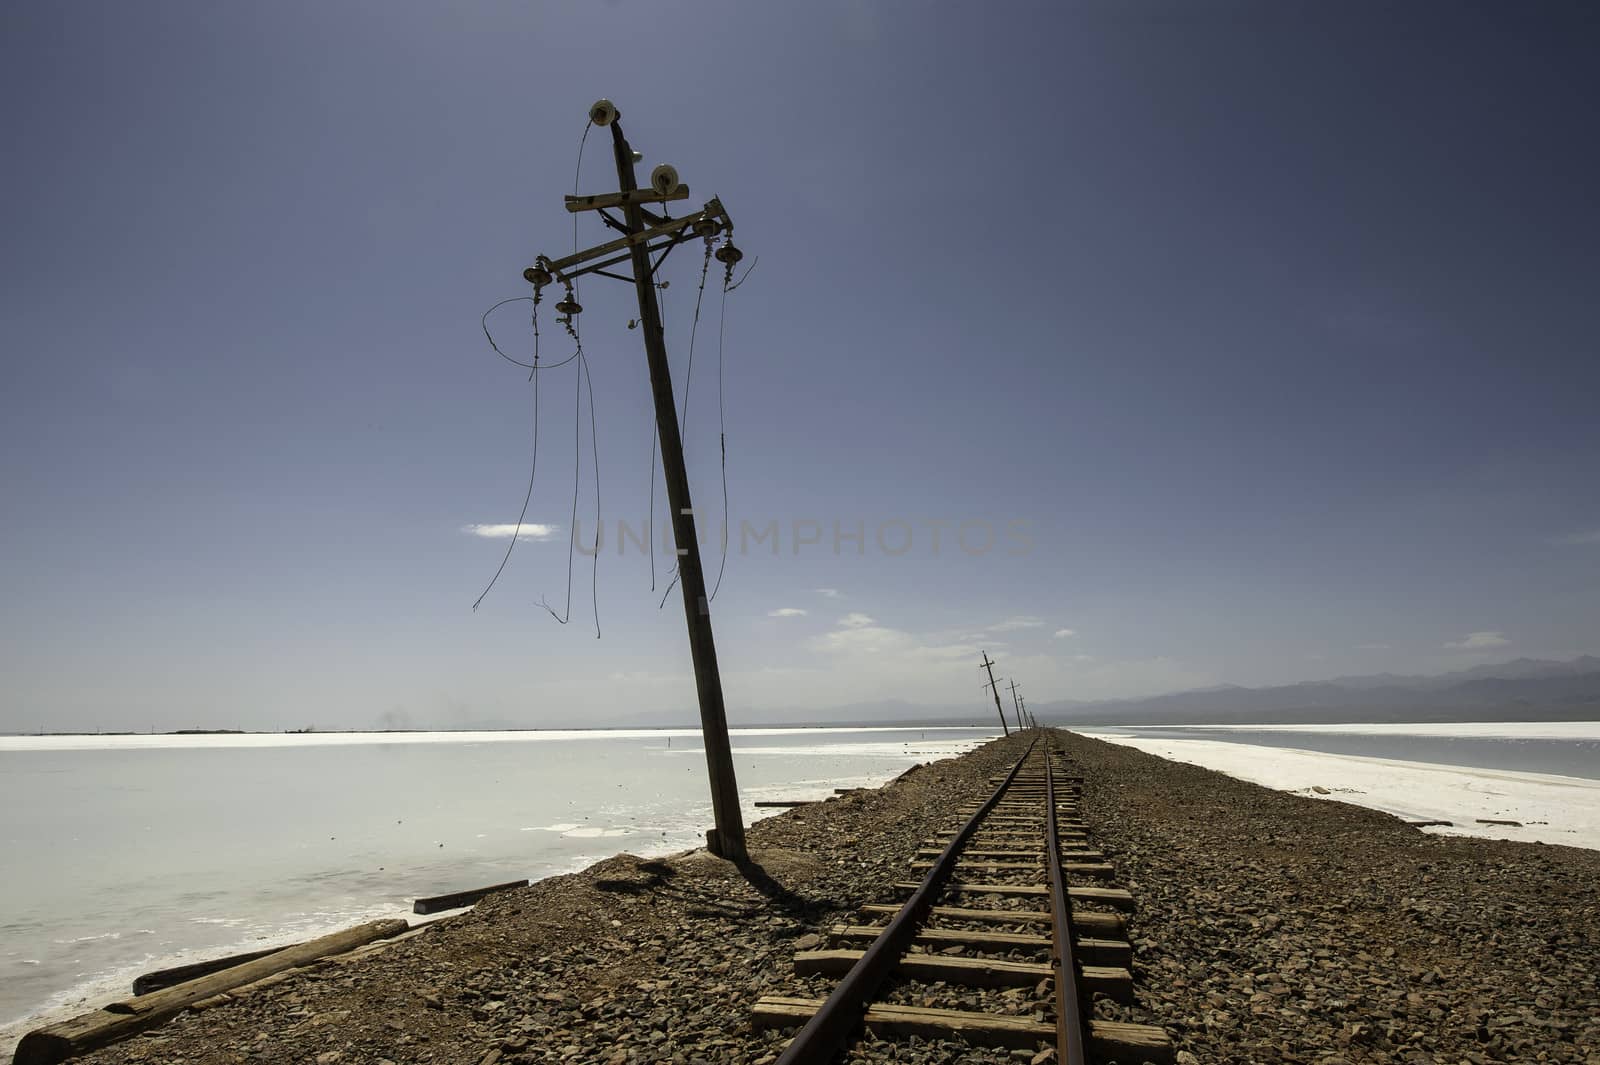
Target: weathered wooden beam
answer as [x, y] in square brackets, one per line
[785, 804]
[1003, 855]
[969, 972]
[58, 1042]
[1097, 870]
[1117, 898]
[1096, 922]
[457, 899]
[1130, 1044]
[1117, 953]
[620, 199]
[155, 981]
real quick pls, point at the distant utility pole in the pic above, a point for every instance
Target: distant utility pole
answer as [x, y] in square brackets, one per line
[1016, 705]
[636, 244]
[994, 689]
[1031, 719]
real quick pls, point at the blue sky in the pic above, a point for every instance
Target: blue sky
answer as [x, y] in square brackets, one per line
[1274, 324]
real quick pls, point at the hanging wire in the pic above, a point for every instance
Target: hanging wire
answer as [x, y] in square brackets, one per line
[533, 468]
[688, 374]
[533, 369]
[722, 425]
[484, 322]
[594, 446]
[574, 330]
[577, 469]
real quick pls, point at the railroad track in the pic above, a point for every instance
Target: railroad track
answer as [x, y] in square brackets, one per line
[1014, 900]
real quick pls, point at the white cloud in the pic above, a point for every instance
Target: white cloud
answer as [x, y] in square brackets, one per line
[1373, 646]
[1479, 641]
[528, 531]
[786, 612]
[1062, 634]
[865, 639]
[1020, 622]
[947, 651]
[856, 620]
[827, 593]
[1578, 538]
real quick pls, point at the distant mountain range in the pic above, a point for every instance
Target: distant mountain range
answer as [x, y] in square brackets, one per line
[1525, 689]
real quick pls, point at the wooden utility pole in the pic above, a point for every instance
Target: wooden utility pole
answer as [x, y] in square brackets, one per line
[727, 839]
[1016, 705]
[645, 233]
[994, 689]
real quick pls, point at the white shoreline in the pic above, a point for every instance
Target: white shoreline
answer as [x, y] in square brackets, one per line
[1499, 730]
[165, 741]
[107, 986]
[1550, 808]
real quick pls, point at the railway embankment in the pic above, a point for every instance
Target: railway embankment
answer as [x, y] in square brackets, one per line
[1268, 928]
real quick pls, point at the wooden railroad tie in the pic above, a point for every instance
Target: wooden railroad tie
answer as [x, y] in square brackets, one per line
[1006, 855]
[1096, 870]
[1096, 922]
[1115, 983]
[1116, 953]
[1117, 898]
[1129, 1044]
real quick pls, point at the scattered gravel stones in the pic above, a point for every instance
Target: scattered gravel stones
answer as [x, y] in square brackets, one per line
[1270, 928]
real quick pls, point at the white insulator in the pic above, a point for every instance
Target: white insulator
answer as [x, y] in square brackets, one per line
[664, 178]
[603, 112]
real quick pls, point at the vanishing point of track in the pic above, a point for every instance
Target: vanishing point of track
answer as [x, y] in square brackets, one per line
[1006, 884]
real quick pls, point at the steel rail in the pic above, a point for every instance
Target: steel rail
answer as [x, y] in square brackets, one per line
[1070, 1013]
[841, 1013]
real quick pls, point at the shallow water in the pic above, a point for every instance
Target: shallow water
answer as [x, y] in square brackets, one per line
[124, 854]
[1565, 748]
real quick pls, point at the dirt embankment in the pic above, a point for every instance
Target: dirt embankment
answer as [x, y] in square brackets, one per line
[1271, 929]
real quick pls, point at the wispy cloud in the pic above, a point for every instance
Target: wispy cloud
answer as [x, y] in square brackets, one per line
[786, 612]
[856, 620]
[1577, 539]
[1062, 634]
[1373, 646]
[827, 593]
[1479, 641]
[867, 638]
[527, 531]
[1020, 622]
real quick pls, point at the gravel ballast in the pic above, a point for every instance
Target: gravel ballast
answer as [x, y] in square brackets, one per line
[1270, 928]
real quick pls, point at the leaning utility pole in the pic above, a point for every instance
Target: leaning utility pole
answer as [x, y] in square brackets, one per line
[1017, 706]
[994, 689]
[727, 838]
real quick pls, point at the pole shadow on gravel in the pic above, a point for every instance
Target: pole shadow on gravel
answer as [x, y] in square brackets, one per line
[661, 879]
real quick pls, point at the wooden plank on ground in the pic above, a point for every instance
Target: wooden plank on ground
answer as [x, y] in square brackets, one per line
[66, 1039]
[457, 899]
[155, 981]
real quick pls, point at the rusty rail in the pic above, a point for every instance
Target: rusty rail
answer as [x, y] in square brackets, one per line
[828, 1029]
[1070, 1014]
